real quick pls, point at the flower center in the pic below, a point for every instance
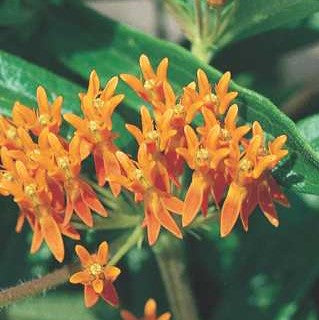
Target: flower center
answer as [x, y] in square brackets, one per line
[149, 84]
[179, 110]
[245, 165]
[31, 190]
[225, 135]
[93, 126]
[211, 98]
[153, 135]
[44, 119]
[202, 156]
[11, 133]
[7, 176]
[95, 269]
[98, 103]
[63, 163]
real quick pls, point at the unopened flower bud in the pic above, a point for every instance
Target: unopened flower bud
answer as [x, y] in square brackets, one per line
[216, 3]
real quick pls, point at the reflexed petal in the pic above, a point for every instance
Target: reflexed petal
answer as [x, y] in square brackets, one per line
[98, 285]
[167, 221]
[80, 277]
[52, 236]
[102, 253]
[90, 296]
[231, 208]
[193, 200]
[152, 224]
[248, 206]
[83, 211]
[276, 192]
[37, 238]
[266, 204]
[109, 294]
[173, 204]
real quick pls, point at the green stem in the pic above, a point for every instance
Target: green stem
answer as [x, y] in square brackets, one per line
[169, 254]
[198, 17]
[131, 241]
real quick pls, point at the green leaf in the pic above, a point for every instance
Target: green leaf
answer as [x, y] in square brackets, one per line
[112, 48]
[256, 16]
[19, 80]
[309, 129]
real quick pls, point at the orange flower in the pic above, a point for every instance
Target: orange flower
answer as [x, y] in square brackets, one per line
[151, 87]
[252, 181]
[217, 101]
[206, 157]
[8, 134]
[47, 116]
[96, 276]
[149, 313]
[34, 198]
[64, 167]
[94, 130]
[149, 181]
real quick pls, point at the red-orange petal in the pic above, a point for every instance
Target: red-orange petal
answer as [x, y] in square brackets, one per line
[90, 296]
[109, 294]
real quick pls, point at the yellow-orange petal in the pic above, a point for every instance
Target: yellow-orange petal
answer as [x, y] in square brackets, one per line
[161, 71]
[203, 83]
[165, 316]
[80, 277]
[111, 273]
[223, 84]
[98, 285]
[135, 132]
[231, 208]
[146, 67]
[102, 253]
[150, 308]
[42, 100]
[133, 82]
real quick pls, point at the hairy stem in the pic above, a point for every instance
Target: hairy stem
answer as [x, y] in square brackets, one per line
[169, 254]
[36, 286]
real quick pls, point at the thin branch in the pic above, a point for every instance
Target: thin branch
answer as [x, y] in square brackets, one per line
[36, 286]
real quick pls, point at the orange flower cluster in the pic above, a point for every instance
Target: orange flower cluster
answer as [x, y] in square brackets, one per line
[149, 313]
[41, 171]
[97, 276]
[221, 155]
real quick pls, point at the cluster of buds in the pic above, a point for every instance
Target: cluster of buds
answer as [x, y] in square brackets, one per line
[42, 170]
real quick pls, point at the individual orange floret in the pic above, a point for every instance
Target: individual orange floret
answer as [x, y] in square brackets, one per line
[219, 100]
[8, 134]
[149, 181]
[64, 166]
[96, 276]
[150, 88]
[46, 116]
[206, 156]
[252, 183]
[94, 130]
[33, 196]
[150, 313]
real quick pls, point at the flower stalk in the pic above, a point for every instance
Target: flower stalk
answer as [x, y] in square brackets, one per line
[169, 253]
[36, 286]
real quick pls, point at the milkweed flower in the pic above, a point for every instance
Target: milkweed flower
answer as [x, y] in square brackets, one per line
[32, 194]
[46, 116]
[96, 276]
[149, 181]
[95, 129]
[64, 166]
[150, 313]
[252, 182]
[150, 88]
